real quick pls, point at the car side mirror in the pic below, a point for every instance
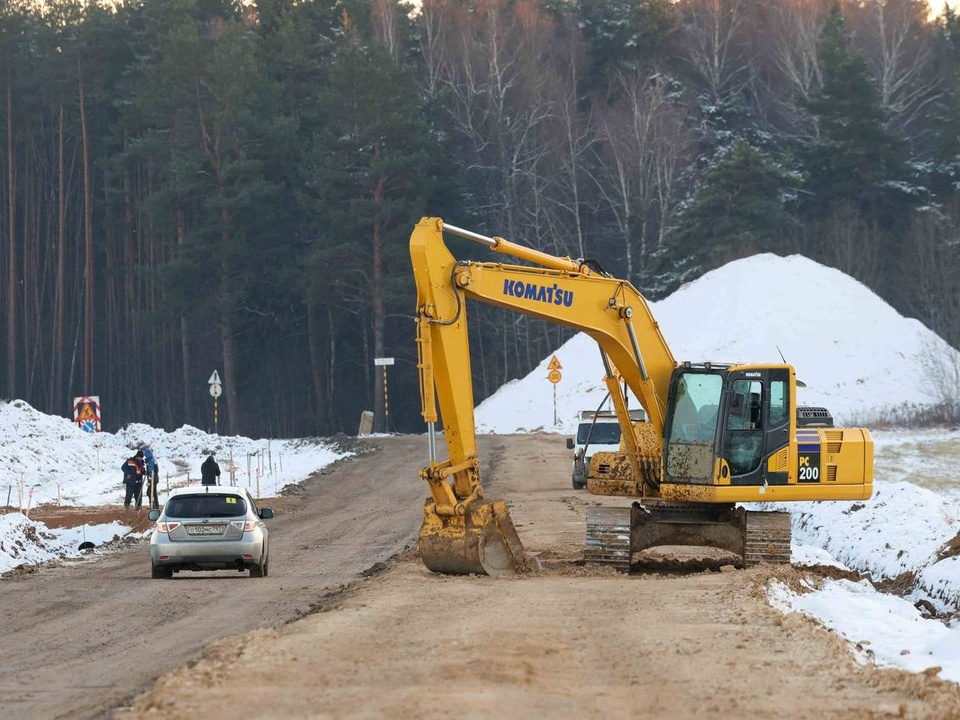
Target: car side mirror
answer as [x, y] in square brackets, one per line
[569, 443]
[266, 513]
[154, 514]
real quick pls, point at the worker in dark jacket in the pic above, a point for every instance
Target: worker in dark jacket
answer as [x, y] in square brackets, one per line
[133, 479]
[210, 472]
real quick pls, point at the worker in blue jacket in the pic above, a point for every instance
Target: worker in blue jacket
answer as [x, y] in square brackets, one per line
[152, 475]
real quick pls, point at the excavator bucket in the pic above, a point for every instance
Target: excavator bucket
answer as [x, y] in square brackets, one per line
[483, 541]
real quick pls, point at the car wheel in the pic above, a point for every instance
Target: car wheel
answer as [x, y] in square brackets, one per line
[260, 570]
[158, 572]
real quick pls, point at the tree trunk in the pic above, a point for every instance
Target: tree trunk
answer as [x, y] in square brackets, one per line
[88, 243]
[329, 407]
[230, 374]
[12, 280]
[381, 410]
[60, 305]
[184, 336]
[316, 364]
[230, 377]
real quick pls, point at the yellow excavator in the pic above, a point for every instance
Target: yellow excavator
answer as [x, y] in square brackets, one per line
[715, 435]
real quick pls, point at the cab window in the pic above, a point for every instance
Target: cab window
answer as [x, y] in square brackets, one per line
[778, 403]
[743, 441]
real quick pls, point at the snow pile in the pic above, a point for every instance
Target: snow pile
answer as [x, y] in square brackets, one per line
[45, 459]
[869, 535]
[25, 542]
[901, 529]
[893, 632]
[858, 357]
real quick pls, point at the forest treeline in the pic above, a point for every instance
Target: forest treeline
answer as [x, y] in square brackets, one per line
[198, 185]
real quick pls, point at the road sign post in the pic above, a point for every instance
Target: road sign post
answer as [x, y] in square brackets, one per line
[216, 390]
[383, 362]
[553, 375]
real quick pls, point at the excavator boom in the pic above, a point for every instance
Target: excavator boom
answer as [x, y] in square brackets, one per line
[462, 532]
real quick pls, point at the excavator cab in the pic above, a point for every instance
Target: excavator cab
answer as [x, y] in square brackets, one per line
[725, 424]
[734, 433]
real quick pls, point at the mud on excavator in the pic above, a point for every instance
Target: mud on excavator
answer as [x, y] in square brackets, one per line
[715, 435]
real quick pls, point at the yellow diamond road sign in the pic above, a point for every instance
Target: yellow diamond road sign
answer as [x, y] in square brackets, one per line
[554, 364]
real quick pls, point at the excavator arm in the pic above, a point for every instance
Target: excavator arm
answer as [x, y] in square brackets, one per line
[463, 532]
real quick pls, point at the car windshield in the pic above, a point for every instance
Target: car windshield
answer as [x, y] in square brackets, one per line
[603, 433]
[199, 506]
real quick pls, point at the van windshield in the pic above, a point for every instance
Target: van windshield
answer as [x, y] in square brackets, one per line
[200, 506]
[603, 433]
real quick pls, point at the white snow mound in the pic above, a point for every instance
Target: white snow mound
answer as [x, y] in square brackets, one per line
[858, 357]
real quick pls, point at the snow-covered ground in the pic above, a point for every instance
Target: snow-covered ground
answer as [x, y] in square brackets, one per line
[857, 356]
[46, 459]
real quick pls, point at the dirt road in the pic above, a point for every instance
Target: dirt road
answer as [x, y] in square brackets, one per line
[81, 638]
[568, 641]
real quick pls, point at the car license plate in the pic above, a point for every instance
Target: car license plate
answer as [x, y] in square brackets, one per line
[205, 529]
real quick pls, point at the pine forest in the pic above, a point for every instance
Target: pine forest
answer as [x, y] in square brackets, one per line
[198, 185]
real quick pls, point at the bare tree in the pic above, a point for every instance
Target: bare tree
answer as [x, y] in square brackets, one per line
[933, 256]
[795, 29]
[573, 138]
[713, 32]
[435, 17]
[851, 243]
[386, 24]
[645, 144]
[495, 69]
[897, 41]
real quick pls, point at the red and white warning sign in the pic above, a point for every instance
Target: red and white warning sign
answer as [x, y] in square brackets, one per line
[86, 413]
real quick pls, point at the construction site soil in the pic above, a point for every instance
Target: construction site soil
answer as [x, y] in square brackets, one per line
[351, 624]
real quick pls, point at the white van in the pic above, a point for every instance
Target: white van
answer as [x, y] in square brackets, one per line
[596, 432]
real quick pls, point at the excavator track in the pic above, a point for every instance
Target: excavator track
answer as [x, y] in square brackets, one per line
[754, 537]
[608, 536]
[767, 538]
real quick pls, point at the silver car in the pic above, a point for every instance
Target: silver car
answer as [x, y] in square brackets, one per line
[210, 528]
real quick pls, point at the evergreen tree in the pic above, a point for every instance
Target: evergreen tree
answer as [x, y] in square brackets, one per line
[625, 36]
[740, 207]
[213, 130]
[851, 156]
[373, 172]
[942, 145]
